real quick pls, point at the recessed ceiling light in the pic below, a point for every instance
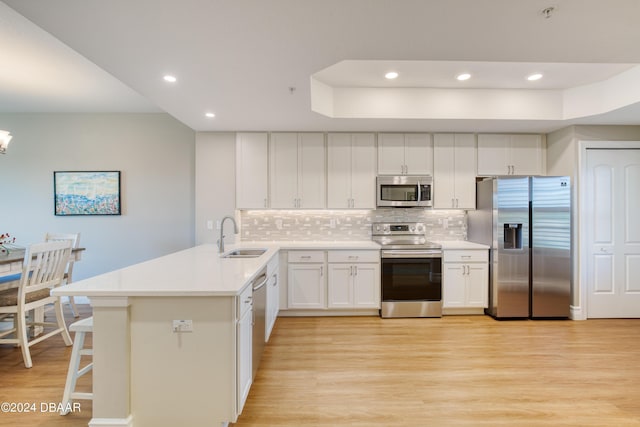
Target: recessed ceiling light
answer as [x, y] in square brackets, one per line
[463, 76]
[170, 78]
[534, 77]
[391, 75]
[210, 115]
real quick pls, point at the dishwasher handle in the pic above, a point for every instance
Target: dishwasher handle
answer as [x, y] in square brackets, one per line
[259, 282]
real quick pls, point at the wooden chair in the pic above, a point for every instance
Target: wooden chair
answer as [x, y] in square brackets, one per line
[81, 328]
[68, 275]
[43, 270]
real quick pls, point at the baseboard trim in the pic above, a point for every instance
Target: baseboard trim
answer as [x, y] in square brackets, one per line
[576, 313]
[111, 422]
[328, 313]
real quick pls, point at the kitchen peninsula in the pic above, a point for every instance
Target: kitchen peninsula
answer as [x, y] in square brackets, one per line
[146, 373]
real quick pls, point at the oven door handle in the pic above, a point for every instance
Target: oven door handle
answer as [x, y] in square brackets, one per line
[413, 253]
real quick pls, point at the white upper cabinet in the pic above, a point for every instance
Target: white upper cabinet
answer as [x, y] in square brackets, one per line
[351, 171]
[454, 174]
[500, 154]
[405, 154]
[251, 170]
[297, 170]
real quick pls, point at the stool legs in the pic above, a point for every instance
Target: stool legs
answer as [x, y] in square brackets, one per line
[75, 372]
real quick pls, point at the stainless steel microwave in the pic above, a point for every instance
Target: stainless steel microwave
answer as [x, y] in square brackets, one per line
[404, 191]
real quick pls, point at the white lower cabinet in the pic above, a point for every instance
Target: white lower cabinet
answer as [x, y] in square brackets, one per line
[307, 284]
[244, 354]
[465, 279]
[354, 279]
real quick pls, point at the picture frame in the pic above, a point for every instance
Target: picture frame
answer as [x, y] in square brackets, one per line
[86, 193]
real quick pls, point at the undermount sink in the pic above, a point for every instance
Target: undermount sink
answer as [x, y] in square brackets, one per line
[244, 253]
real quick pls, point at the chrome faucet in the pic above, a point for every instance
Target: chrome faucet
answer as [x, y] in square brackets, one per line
[221, 239]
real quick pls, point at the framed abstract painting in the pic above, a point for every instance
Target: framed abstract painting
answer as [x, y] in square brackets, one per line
[86, 193]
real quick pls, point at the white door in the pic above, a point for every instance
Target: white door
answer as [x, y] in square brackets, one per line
[363, 171]
[307, 287]
[311, 171]
[418, 154]
[366, 285]
[339, 170]
[613, 233]
[444, 173]
[465, 171]
[391, 154]
[526, 155]
[493, 154]
[339, 286]
[251, 170]
[283, 170]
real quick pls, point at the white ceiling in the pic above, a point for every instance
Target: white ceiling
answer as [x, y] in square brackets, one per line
[239, 58]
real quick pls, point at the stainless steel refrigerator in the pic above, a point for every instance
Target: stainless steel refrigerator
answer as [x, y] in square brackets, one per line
[527, 223]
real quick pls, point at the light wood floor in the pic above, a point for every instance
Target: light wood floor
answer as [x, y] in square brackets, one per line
[454, 371]
[44, 382]
[367, 371]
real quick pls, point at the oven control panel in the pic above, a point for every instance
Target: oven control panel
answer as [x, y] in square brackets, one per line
[397, 228]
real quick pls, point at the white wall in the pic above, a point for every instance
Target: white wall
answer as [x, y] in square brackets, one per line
[563, 155]
[155, 154]
[215, 184]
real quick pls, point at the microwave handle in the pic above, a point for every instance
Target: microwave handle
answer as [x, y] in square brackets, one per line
[419, 191]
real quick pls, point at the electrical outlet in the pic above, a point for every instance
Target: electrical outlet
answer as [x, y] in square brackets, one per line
[445, 223]
[209, 224]
[332, 223]
[279, 224]
[183, 325]
[218, 223]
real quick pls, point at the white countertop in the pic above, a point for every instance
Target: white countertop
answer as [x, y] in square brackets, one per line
[460, 244]
[318, 245]
[198, 271]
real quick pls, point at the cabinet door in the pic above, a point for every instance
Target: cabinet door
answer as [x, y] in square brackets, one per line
[493, 154]
[244, 357]
[251, 170]
[391, 154]
[444, 171]
[366, 285]
[418, 154]
[311, 171]
[339, 171]
[283, 170]
[465, 171]
[363, 171]
[306, 286]
[339, 286]
[273, 303]
[526, 154]
[453, 285]
[477, 279]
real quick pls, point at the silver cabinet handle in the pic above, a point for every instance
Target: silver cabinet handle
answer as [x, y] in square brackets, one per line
[351, 270]
[355, 267]
[456, 202]
[321, 270]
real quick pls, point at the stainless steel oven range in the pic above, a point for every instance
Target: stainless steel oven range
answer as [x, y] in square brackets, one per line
[411, 270]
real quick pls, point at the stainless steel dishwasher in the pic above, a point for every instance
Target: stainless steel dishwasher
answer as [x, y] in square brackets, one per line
[259, 315]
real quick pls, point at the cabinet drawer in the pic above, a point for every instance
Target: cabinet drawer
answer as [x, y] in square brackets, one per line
[481, 255]
[245, 301]
[306, 256]
[354, 256]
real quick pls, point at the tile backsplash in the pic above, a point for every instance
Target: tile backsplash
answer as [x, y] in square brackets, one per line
[330, 225]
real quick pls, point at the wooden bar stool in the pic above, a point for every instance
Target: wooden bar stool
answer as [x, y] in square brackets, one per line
[81, 328]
